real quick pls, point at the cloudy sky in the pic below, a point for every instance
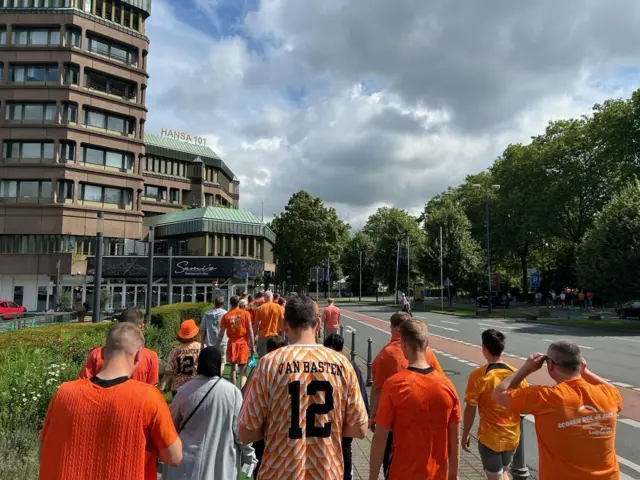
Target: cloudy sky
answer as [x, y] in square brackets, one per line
[376, 102]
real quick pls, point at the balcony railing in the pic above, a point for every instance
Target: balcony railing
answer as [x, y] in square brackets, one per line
[26, 200]
[26, 161]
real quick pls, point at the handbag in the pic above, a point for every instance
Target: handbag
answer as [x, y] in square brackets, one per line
[198, 406]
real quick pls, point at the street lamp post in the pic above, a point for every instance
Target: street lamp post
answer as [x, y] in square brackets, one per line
[360, 271]
[487, 187]
[97, 275]
[149, 300]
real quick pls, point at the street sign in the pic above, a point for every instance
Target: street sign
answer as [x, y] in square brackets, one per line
[317, 274]
[535, 280]
[243, 274]
[448, 283]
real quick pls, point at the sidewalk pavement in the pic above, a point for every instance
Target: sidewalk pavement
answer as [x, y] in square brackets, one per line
[470, 464]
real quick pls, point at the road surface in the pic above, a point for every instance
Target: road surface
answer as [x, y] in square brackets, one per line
[614, 356]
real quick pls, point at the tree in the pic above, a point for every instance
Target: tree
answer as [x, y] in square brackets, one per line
[360, 244]
[609, 258]
[461, 254]
[307, 233]
[389, 227]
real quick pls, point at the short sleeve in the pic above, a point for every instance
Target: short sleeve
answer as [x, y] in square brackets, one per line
[615, 396]
[153, 375]
[385, 414]
[526, 400]
[380, 370]
[472, 392]
[90, 369]
[162, 431]
[253, 414]
[224, 323]
[356, 412]
[456, 413]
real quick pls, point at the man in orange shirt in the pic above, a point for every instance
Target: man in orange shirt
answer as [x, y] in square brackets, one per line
[499, 430]
[575, 419]
[269, 318]
[147, 370]
[237, 323]
[421, 407]
[330, 319]
[259, 300]
[100, 427]
[389, 361]
[302, 399]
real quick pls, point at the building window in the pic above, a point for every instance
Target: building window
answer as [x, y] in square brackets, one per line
[155, 193]
[109, 195]
[65, 191]
[112, 50]
[87, 6]
[31, 112]
[109, 122]
[69, 112]
[25, 189]
[67, 152]
[107, 158]
[35, 36]
[110, 85]
[174, 195]
[73, 37]
[3, 35]
[208, 199]
[33, 74]
[71, 74]
[28, 151]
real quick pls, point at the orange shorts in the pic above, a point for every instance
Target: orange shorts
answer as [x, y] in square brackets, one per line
[238, 352]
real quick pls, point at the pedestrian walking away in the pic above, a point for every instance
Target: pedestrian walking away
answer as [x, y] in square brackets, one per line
[499, 428]
[183, 358]
[330, 318]
[205, 412]
[210, 327]
[269, 322]
[237, 325]
[422, 409]
[101, 428]
[335, 342]
[302, 399]
[575, 419]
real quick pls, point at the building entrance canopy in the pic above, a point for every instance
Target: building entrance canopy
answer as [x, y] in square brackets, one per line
[181, 267]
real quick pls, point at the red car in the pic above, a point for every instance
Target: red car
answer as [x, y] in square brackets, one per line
[9, 310]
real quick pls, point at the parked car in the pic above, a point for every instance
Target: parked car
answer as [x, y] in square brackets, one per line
[629, 309]
[9, 310]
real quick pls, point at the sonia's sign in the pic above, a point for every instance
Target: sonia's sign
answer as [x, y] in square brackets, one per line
[184, 268]
[185, 137]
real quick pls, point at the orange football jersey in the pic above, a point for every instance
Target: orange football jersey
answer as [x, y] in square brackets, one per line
[301, 397]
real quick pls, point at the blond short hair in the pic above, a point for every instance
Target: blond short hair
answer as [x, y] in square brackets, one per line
[329, 300]
[399, 318]
[414, 333]
[124, 338]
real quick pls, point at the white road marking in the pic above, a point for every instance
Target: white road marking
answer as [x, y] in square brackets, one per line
[367, 325]
[494, 326]
[626, 339]
[473, 364]
[624, 476]
[629, 463]
[581, 346]
[444, 328]
[452, 323]
[628, 421]
[622, 384]
[453, 357]
[637, 389]
[547, 340]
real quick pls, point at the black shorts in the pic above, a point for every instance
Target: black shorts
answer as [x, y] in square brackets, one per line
[494, 462]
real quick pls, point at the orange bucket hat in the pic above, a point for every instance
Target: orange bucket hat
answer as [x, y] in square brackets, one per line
[188, 329]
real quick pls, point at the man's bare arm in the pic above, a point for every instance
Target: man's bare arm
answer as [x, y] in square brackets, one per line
[172, 455]
[469, 418]
[249, 436]
[355, 431]
[373, 406]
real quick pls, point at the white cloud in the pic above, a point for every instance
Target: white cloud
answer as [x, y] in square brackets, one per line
[369, 102]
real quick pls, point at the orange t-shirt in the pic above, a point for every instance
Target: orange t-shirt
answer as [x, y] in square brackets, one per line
[147, 370]
[301, 397]
[576, 428]
[268, 319]
[331, 317]
[499, 427]
[95, 432]
[237, 323]
[417, 406]
[390, 360]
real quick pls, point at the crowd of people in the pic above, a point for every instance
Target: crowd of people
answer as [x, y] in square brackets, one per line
[304, 402]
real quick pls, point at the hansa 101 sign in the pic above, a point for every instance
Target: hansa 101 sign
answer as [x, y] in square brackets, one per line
[185, 137]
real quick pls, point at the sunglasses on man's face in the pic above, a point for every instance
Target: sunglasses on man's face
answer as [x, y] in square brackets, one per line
[547, 360]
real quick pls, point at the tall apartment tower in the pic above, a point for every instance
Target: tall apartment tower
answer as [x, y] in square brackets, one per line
[72, 114]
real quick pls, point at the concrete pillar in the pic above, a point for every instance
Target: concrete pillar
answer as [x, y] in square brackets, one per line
[207, 250]
[255, 247]
[112, 13]
[56, 151]
[224, 245]
[93, 6]
[76, 191]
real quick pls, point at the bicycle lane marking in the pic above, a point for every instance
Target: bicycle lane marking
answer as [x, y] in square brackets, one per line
[472, 353]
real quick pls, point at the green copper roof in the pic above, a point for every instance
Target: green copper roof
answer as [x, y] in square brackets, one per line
[179, 146]
[209, 219]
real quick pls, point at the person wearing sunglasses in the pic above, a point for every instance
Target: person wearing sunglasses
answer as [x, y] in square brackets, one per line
[575, 419]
